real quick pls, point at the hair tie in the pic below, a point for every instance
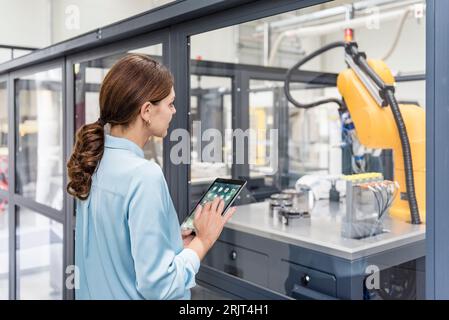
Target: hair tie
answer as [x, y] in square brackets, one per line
[101, 122]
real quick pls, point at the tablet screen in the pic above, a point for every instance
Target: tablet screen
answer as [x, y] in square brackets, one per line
[225, 189]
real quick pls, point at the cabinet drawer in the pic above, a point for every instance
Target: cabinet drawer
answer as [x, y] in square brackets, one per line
[238, 261]
[299, 276]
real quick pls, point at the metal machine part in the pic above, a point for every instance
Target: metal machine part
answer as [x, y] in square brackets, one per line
[360, 220]
[302, 197]
[279, 201]
[280, 196]
[289, 215]
[369, 198]
[293, 194]
[275, 205]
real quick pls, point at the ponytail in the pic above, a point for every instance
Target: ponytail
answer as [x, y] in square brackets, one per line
[88, 151]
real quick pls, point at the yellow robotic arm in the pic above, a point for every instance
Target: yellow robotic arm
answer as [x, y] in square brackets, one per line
[367, 88]
[376, 128]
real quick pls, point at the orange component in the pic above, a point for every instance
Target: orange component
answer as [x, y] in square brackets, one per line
[376, 128]
[349, 35]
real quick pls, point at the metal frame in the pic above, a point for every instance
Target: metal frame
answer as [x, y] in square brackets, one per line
[437, 116]
[15, 200]
[4, 79]
[7, 194]
[178, 21]
[11, 191]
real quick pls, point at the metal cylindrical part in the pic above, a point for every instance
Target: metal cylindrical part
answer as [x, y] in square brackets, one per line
[293, 194]
[306, 200]
[280, 196]
[274, 206]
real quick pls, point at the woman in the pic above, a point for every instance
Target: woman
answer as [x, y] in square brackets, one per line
[128, 238]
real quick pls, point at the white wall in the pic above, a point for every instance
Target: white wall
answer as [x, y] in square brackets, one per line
[93, 14]
[40, 23]
[25, 23]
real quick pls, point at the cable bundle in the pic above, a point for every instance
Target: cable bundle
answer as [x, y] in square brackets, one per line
[384, 192]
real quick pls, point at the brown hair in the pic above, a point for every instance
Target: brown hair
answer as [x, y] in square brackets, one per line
[132, 81]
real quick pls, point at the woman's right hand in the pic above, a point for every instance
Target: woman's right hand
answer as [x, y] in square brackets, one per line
[209, 224]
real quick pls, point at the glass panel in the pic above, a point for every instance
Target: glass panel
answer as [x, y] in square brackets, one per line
[88, 78]
[210, 113]
[262, 98]
[210, 109]
[19, 53]
[3, 137]
[411, 92]
[39, 166]
[9, 54]
[333, 237]
[311, 134]
[5, 55]
[39, 256]
[4, 250]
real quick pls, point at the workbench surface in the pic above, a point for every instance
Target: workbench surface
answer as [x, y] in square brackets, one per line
[322, 231]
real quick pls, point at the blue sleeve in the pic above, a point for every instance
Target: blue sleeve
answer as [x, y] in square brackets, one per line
[161, 273]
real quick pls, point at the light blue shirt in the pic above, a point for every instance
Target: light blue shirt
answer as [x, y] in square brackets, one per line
[128, 242]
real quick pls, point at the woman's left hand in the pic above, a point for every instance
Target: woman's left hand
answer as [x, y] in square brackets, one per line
[187, 236]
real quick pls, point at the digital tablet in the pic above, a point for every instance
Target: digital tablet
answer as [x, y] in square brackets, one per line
[226, 189]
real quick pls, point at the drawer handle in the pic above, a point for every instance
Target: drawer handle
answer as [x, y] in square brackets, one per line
[306, 279]
[233, 255]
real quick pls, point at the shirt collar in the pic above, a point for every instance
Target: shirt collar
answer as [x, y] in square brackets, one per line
[123, 143]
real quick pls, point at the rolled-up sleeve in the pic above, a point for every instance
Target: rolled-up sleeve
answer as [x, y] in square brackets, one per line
[161, 272]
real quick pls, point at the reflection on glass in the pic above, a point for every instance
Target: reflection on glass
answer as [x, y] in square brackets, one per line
[7, 54]
[4, 250]
[263, 98]
[314, 150]
[313, 135]
[281, 40]
[411, 92]
[3, 137]
[210, 112]
[39, 257]
[39, 164]
[88, 78]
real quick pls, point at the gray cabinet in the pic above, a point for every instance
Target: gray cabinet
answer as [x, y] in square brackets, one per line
[240, 262]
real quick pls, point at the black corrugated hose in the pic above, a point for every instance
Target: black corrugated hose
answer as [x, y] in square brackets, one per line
[290, 71]
[388, 93]
[407, 155]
